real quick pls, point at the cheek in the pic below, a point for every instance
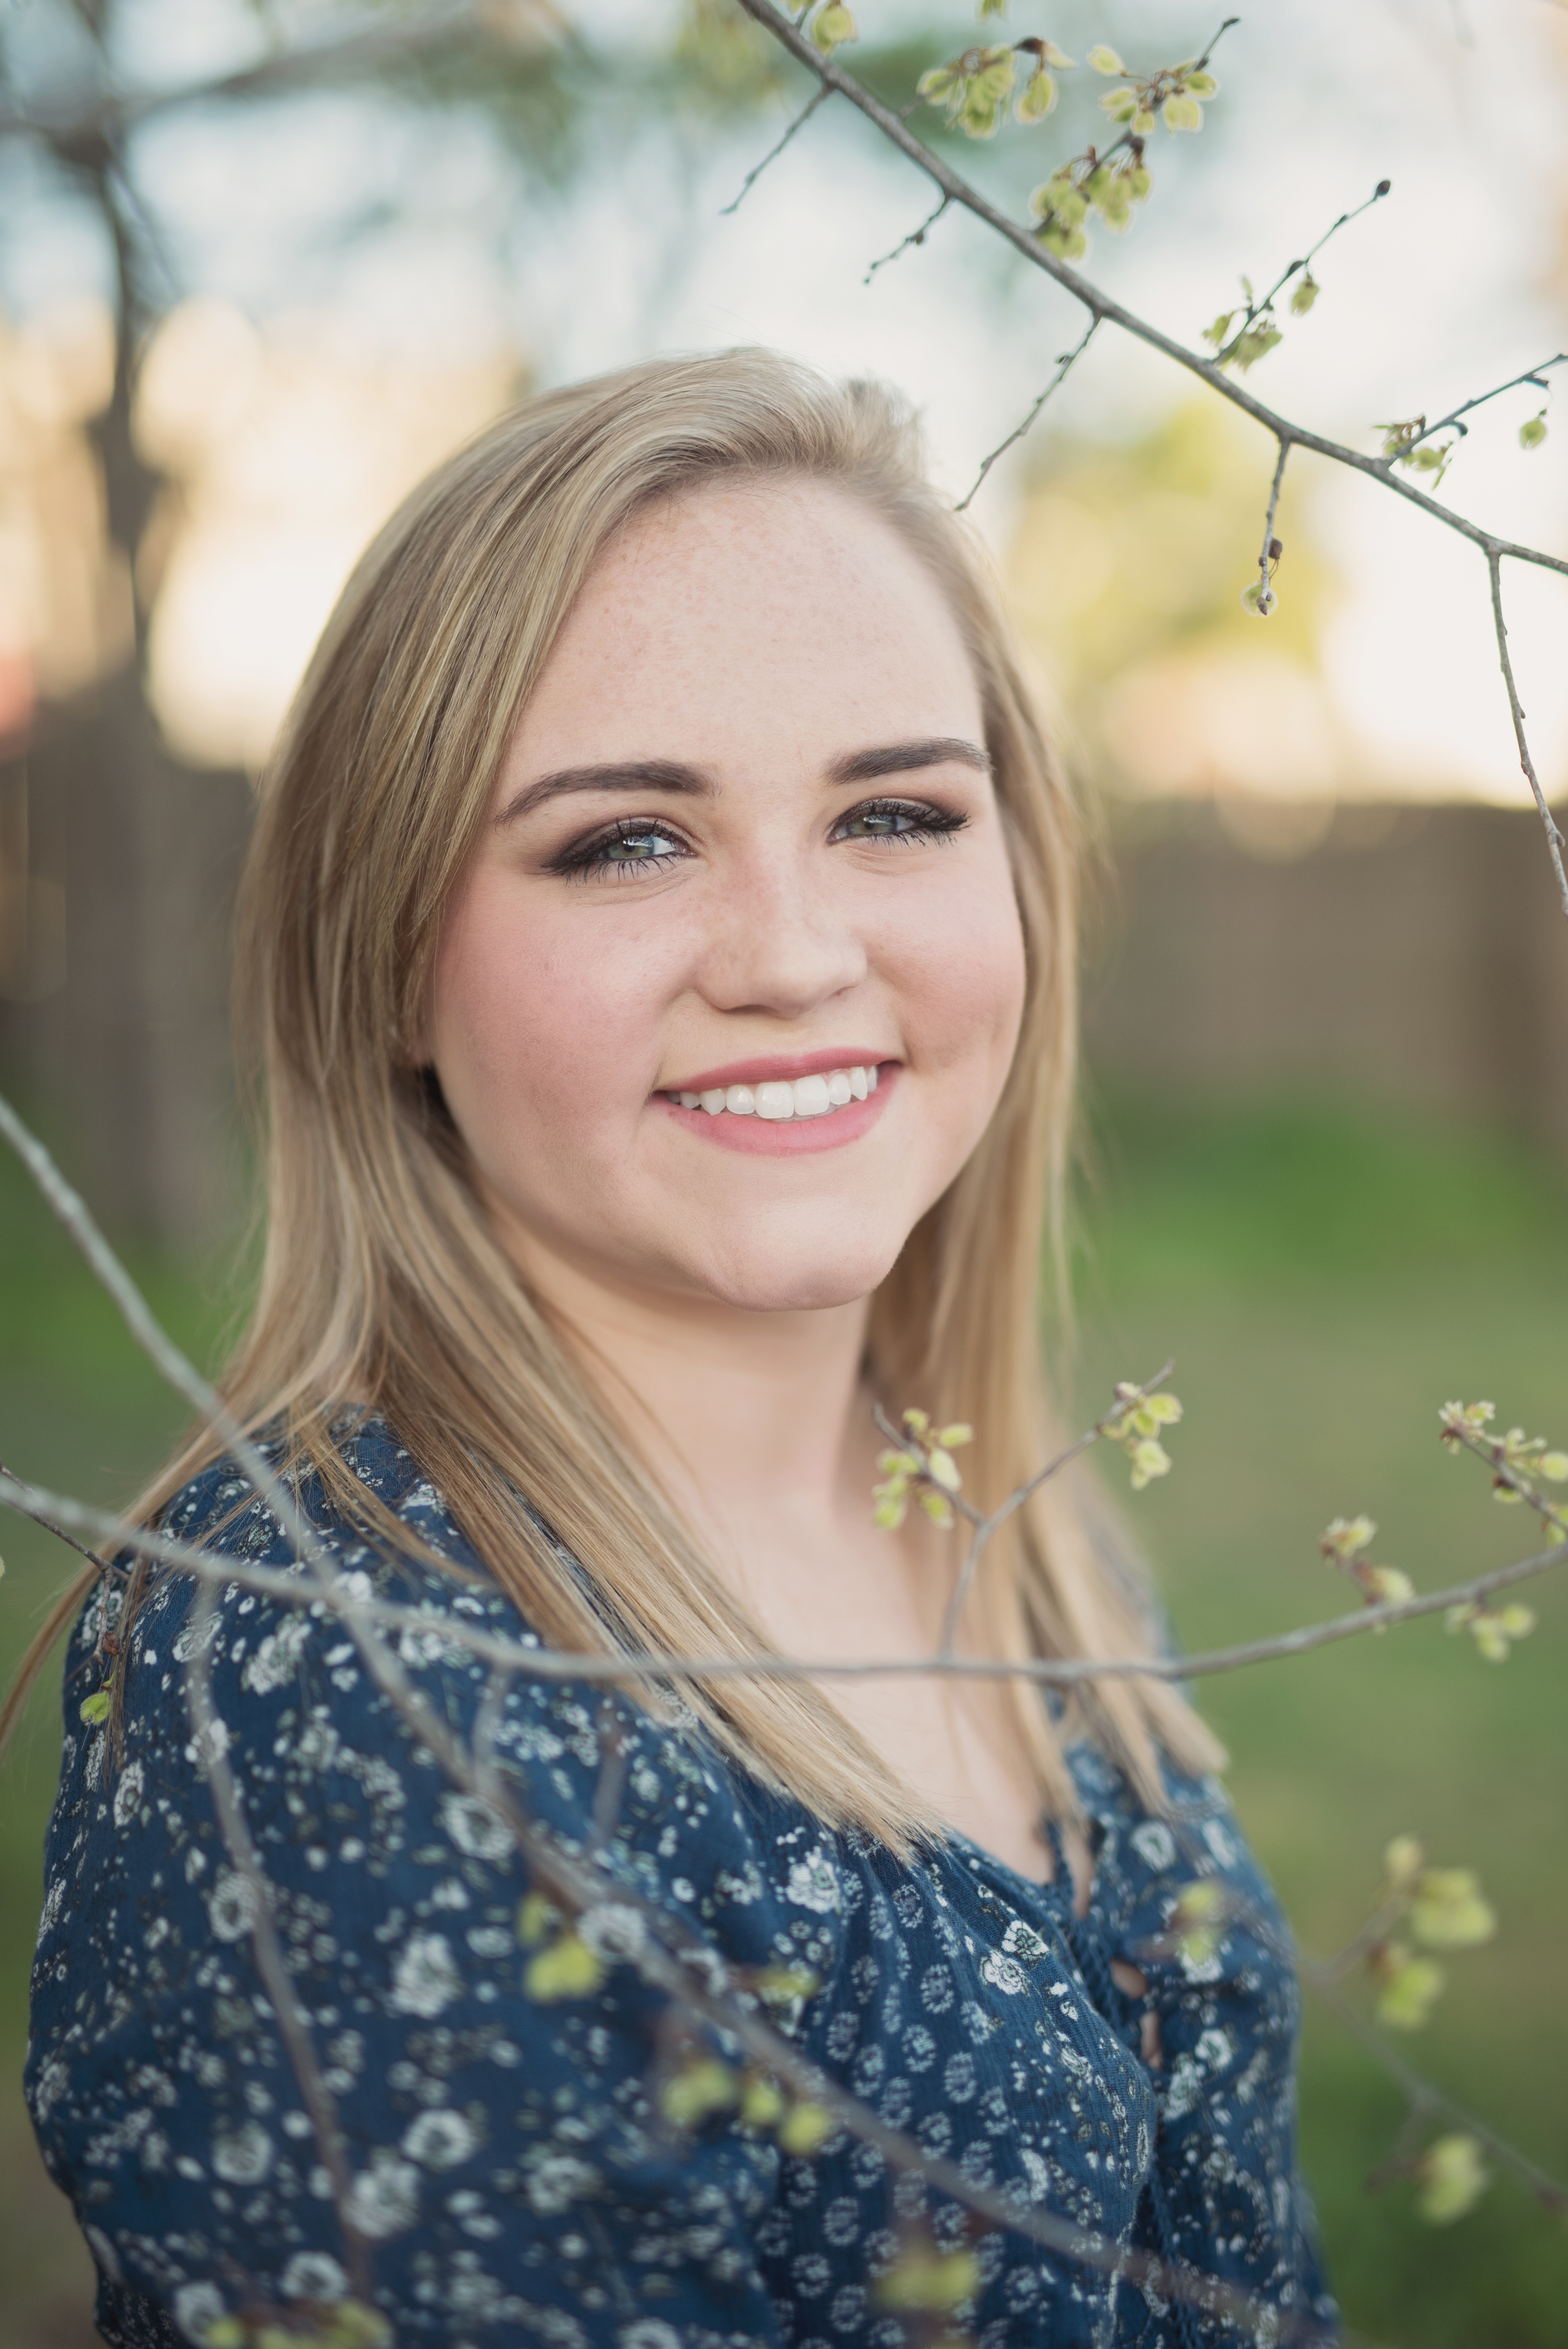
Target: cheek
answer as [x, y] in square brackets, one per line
[963, 975]
[529, 1031]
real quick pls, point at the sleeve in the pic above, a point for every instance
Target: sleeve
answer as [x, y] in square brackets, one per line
[512, 2177]
[1229, 2197]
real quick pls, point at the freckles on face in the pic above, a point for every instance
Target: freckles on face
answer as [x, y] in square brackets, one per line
[744, 837]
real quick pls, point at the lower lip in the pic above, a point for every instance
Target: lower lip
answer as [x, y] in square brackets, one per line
[787, 1137]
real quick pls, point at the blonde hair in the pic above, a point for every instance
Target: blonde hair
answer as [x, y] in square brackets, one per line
[383, 1284]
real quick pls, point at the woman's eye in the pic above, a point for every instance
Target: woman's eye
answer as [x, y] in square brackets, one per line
[626, 847]
[908, 820]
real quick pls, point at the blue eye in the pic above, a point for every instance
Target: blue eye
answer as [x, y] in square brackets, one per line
[637, 848]
[626, 848]
[913, 821]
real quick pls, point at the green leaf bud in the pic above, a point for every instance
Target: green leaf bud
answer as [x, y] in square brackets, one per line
[1258, 599]
[96, 1709]
[1121, 105]
[705, 2086]
[1052, 56]
[832, 26]
[804, 2127]
[1184, 114]
[1403, 1861]
[921, 2277]
[1411, 1987]
[762, 2102]
[1038, 98]
[1534, 432]
[1453, 2177]
[1105, 61]
[1450, 1911]
[1200, 84]
[568, 1967]
[1304, 295]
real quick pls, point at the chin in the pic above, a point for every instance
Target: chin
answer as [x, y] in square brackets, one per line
[769, 1279]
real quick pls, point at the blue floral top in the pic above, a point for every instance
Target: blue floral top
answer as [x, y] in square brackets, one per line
[513, 2166]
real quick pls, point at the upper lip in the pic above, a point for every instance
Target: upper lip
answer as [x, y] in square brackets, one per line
[779, 1068]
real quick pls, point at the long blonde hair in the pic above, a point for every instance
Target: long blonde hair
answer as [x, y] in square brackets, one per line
[383, 1284]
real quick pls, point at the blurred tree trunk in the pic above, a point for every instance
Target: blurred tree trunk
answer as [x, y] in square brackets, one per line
[130, 1054]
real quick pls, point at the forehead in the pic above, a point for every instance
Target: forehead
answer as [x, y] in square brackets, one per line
[750, 603]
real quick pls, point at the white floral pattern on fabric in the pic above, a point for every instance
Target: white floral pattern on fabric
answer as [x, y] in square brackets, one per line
[513, 2172]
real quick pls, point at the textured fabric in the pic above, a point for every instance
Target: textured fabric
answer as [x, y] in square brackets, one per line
[511, 2164]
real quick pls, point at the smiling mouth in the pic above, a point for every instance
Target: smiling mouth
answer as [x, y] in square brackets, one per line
[806, 1097]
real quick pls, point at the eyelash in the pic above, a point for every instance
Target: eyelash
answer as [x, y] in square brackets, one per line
[591, 859]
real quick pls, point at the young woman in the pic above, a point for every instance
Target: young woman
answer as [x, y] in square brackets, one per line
[658, 945]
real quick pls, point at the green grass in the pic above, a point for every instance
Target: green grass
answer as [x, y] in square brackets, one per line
[1325, 1281]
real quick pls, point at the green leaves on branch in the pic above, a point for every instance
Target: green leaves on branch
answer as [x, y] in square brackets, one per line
[1452, 2176]
[1343, 1543]
[1197, 1924]
[704, 2085]
[1176, 95]
[924, 2280]
[832, 26]
[926, 1463]
[1442, 1909]
[1522, 1466]
[1405, 443]
[976, 88]
[1242, 345]
[1136, 1427]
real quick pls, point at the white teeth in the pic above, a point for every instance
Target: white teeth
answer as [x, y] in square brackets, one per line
[816, 1096]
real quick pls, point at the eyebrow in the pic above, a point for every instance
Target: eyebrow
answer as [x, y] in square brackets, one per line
[673, 775]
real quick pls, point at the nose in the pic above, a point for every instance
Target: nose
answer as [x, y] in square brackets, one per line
[779, 939]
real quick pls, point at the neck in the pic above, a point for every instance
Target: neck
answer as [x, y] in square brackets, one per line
[749, 1420]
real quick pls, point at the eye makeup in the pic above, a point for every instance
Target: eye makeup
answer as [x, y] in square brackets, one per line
[632, 844]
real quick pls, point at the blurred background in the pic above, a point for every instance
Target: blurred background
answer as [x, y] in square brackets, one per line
[260, 266]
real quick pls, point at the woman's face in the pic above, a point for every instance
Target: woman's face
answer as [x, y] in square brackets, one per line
[743, 846]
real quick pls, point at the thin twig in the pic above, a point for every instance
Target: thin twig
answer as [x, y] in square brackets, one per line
[106, 1567]
[756, 170]
[916, 236]
[1535, 375]
[1267, 599]
[1256, 309]
[1554, 836]
[294, 1589]
[1065, 365]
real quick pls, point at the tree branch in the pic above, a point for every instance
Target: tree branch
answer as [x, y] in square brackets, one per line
[1101, 306]
[1553, 835]
[293, 1589]
[1065, 366]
